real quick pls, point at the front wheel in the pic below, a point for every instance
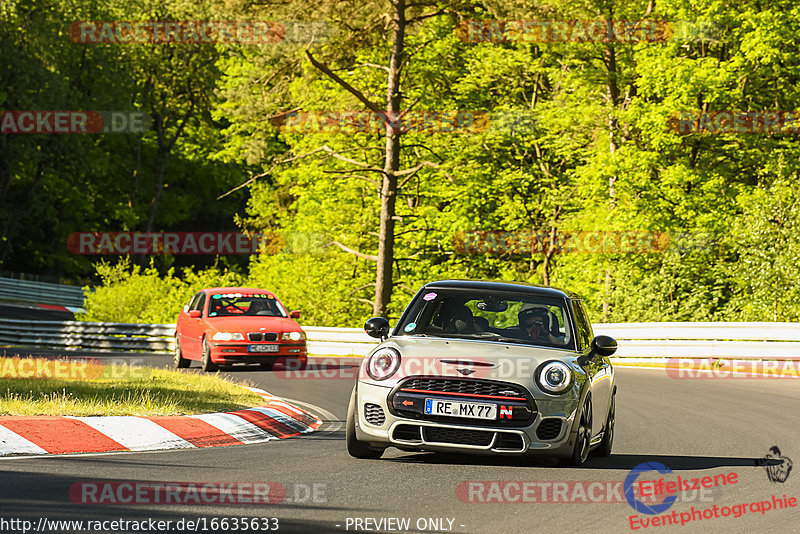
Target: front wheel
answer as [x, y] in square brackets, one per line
[207, 364]
[178, 359]
[580, 452]
[608, 437]
[356, 448]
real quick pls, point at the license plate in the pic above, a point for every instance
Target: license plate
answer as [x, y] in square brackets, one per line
[472, 410]
[263, 348]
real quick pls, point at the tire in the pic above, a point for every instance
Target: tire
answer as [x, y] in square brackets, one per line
[356, 448]
[207, 365]
[583, 438]
[178, 359]
[604, 449]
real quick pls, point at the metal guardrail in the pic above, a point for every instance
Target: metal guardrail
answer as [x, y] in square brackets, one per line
[40, 292]
[647, 342]
[72, 335]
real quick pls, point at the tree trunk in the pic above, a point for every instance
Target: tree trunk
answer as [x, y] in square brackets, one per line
[383, 278]
[20, 211]
[613, 96]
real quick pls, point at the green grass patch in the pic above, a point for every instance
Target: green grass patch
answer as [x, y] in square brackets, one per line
[117, 390]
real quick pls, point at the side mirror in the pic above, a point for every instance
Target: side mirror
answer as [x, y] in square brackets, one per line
[377, 327]
[294, 314]
[195, 314]
[604, 345]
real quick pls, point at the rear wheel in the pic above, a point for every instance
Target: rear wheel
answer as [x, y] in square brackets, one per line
[580, 452]
[207, 364]
[356, 448]
[179, 361]
[608, 437]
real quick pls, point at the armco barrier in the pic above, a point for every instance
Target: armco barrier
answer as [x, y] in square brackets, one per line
[40, 292]
[643, 342]
[71, 335]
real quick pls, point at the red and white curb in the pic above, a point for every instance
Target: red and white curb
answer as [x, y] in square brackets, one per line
[276, 419]
[70, 309]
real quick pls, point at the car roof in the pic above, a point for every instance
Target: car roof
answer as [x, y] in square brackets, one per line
[517, 287]
[218, 290]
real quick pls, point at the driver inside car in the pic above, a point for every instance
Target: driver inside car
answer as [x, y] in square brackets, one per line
[534, 323]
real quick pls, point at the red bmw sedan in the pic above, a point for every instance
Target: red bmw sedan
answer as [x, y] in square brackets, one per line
[238, 325]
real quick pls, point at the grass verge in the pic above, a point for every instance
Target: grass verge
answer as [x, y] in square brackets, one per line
[37, 386]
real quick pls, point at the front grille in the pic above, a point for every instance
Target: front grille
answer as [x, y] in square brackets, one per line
[509, 441]
[458, 436]
[470, 387]
[262, 336]
[549, 429]
[374, 414]
[406, 433]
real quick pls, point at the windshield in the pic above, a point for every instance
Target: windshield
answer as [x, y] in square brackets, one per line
[239, 304]
[490, 316]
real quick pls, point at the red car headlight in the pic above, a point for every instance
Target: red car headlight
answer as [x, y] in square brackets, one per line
[228, 336]
[293, 336]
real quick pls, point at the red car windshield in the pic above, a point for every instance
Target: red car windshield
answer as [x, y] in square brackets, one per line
[243, 304]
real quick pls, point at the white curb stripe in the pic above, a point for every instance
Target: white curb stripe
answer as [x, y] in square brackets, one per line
[135, 433]
[13, 443]
[282, 418]
[295, 409]
[236, 427]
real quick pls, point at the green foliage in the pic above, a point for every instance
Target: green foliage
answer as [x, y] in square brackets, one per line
[599, 157]
[130, 294]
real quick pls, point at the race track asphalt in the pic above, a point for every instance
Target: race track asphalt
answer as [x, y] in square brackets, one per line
[696, 427]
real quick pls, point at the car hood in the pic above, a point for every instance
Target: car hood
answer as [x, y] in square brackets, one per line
[459, 358]
[251, 323]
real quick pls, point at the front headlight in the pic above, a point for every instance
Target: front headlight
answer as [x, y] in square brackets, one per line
[228, 336]
[293, 336]
[383, 363]
[553, 377]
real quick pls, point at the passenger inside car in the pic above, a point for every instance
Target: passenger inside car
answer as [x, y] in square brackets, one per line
[537, 324]
[459, 321]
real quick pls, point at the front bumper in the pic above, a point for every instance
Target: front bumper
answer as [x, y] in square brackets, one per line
[238, 352]
[544, 427]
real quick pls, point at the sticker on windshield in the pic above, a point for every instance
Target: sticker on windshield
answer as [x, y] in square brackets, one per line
[216, 296]
[212, 314]
[429, 296]
[410, 326]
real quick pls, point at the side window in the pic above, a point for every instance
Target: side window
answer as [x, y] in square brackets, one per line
[192, 302]
[200, 302]
[588, 322]
[584, 329]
